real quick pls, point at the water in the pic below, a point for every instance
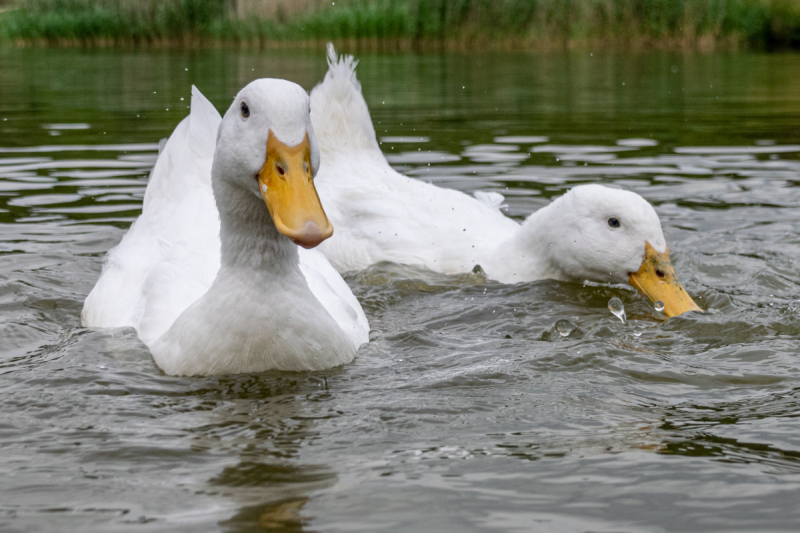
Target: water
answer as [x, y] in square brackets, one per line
[617, 308]
[468, 411]
[565, 327]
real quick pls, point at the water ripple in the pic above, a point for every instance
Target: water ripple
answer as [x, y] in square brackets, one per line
[470, 409]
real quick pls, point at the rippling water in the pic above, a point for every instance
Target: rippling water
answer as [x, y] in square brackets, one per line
[469, 410]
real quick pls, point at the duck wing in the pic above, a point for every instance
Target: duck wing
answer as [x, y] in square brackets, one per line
[335, 295]
[170, 255]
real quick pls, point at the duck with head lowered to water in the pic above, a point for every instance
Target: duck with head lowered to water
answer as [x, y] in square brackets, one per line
[591, 233]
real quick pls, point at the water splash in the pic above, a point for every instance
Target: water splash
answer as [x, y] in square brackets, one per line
[659, 305]
[617, 309]
[565, 327]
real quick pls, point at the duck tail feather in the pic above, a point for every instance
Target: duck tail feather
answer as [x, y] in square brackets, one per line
[492, 200]
[339, 114]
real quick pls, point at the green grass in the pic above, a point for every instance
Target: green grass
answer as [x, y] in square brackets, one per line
[471, 23]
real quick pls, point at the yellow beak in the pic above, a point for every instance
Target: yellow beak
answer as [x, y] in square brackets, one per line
[656, 279]
[287, 185]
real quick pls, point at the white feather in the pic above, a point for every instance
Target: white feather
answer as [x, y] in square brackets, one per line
[492, 200]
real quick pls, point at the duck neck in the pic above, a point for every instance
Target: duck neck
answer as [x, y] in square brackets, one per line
[249, 238]
[528, 254]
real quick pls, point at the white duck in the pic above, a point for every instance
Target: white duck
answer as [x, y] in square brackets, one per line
[591, 233]
[208, 275]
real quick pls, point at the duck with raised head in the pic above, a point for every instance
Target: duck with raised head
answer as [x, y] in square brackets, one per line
[215, 275]
[591, 233]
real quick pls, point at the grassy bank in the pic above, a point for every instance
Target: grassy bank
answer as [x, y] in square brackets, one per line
[765, 24]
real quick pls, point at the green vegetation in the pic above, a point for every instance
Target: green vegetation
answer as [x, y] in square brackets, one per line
[449, 23]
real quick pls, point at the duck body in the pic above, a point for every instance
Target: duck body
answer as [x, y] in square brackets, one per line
[403, 220]
[381, 215]
[205, 277]
[259, 313]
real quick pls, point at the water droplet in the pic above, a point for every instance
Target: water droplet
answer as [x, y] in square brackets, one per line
[637, 332]
[659, 305]
[617, 309]
[263, 187]
[565, 327]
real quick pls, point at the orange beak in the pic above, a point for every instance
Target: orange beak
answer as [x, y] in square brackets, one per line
[287, 184]
[656, 279]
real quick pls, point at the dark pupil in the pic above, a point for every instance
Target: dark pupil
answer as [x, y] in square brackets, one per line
[613, 222]
[245, 110]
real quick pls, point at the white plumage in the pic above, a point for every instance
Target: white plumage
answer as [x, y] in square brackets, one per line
[381, 215]
[267, 307]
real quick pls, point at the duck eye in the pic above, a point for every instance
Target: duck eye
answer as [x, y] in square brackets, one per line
[245, 110]
[280, 168]
[613, 222]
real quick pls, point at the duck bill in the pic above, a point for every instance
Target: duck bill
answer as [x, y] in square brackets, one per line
[286, 182]
[656, 279]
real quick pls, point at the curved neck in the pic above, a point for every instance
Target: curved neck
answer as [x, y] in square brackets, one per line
[528, 254]
[248, 235]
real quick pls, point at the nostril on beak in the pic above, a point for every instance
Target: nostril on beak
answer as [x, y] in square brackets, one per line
[660, 273]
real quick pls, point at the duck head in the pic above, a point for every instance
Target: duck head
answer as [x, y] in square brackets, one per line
[611, 235]
[266, 146]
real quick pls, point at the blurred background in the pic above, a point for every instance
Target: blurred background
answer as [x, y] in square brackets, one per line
[403, 24]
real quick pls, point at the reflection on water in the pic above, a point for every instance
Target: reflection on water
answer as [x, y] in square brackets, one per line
[476, 405]
[280, 516]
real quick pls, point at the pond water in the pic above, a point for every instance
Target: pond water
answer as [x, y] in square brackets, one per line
[470, 410]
